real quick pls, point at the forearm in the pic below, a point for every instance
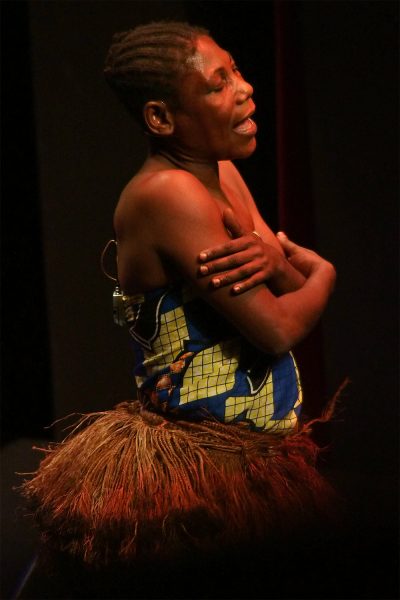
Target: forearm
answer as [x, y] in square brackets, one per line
[247, 262]
[276, 324]
[286, 281]
[304, 307]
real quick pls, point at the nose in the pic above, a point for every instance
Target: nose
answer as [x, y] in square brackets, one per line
[245, 90]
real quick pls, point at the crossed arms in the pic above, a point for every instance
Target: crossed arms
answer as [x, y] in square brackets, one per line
[283, 288]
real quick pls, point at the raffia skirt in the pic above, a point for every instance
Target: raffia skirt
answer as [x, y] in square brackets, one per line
[127, 484]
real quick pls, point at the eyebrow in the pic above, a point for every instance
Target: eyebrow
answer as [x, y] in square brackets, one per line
[219, 70]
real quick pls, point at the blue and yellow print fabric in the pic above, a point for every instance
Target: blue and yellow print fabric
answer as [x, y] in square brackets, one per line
[191, 362]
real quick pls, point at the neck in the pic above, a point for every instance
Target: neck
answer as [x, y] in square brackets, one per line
[205, 170]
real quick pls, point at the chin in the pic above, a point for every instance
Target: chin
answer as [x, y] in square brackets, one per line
[245, 151]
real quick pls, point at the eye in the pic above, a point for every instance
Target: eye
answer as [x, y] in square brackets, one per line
[224, 79]
[219, 86]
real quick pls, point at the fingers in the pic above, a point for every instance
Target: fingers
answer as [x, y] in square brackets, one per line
[226, 250]
[239, 276]
[248, 284]
[288, 246]
[240, 240]
[226, 263]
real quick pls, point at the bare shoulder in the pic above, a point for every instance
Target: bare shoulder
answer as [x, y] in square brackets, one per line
[148, 190]
[155, 197]
[171, 186]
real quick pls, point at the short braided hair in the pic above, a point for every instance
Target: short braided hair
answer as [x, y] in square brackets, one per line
[146, 63]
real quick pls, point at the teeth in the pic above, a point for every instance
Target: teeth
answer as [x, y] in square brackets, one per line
[245, 125]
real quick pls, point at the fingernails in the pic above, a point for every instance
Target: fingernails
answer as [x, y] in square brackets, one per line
[203, 270]
[236, 289]
[203, 255]
[216, 282]
[281, 234]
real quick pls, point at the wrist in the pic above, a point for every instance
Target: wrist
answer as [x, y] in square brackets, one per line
[287, 278]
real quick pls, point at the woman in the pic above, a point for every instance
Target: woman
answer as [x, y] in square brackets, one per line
[211, 454]
[172, 209]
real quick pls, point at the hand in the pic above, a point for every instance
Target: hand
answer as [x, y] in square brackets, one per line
[245, 261]
[302, 259]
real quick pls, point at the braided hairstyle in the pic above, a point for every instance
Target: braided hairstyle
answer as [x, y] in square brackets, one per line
[147, 63]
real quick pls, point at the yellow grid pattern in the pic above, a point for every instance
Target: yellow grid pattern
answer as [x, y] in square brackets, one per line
[211, 372]
[288, 422]
[260, 407]
[169, 342]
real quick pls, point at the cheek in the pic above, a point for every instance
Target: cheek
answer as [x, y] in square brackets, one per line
[210, 132]
[218, 126]
[223, 115]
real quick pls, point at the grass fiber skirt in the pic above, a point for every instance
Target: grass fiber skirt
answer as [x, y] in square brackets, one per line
[129, 485]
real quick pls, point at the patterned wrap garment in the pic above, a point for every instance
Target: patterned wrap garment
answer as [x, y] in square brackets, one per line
[192, 363]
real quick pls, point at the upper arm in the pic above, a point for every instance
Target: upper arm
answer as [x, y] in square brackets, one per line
[183, 218]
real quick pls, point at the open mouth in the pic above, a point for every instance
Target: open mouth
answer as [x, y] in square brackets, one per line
[246, 127]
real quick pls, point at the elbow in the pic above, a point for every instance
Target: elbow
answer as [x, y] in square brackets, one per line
[278, 347]
[330, 274]
[279, 341]
[285, 332]
[281, 347]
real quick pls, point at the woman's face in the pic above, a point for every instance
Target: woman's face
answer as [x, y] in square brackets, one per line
[213, 121]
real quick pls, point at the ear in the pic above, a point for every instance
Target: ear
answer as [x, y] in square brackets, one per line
[158, 118]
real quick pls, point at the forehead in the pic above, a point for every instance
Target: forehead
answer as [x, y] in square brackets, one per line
[208, 56]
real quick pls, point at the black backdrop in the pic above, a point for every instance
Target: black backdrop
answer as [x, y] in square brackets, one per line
[67, 149]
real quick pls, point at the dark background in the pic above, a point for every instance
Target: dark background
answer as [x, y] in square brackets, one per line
[67, 150]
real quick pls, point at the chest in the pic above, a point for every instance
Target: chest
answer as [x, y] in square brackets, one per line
[231, 198]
